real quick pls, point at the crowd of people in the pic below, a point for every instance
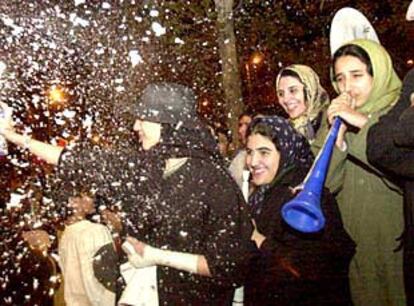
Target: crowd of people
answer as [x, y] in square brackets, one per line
[182, 229]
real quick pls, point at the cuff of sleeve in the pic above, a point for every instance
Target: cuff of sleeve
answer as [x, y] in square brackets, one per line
[343, 147]
[178, 260]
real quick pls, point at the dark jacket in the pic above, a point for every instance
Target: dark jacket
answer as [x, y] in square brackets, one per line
[297, 268]
[197, 209]
[390, 147]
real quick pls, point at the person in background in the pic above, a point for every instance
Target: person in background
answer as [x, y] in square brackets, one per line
[244, 120]
[238, 163]
[303, 98]
[80, 254]
[223, 138]
[371, 206]
[224, 141]
[390, 147]
[294, 268]
[80, 242]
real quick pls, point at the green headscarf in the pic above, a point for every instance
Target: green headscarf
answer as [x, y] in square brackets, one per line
[386, 84]
[316, 98]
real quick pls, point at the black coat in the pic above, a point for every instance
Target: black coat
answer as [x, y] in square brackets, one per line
[203, 213]
[297, 268]
[390, 147]
[197, 209]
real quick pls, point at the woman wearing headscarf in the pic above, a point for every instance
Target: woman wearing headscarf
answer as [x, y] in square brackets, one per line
[371, 206]
[294, 268]
[303, 98]
[184, 215]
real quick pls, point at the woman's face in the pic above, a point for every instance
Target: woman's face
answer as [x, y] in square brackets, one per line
[291, 96]
[262, 159]
[351, 76]
[149, 133]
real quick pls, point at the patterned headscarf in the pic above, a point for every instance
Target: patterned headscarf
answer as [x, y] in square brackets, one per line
[293, 147]
[316, 98]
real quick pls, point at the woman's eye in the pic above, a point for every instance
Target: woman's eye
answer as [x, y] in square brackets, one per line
[264, 153]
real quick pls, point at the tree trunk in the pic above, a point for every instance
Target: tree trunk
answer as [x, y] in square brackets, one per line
[230, 66]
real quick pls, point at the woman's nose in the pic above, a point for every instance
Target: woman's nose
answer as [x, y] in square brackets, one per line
[254, 160]
[347, 85]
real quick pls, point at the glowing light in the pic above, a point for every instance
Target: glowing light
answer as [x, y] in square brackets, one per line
[96, 139]
[257, 58]
[410, 62]
[57, 94]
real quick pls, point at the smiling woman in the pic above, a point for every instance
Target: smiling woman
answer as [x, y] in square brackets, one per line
[262, 159]
[302, 97]
[293, 268]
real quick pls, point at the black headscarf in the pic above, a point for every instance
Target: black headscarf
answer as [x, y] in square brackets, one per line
[179, 141]
[294, 152]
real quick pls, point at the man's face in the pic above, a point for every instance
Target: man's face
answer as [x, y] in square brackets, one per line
[223, 144]
[244, 122]
[82, 205]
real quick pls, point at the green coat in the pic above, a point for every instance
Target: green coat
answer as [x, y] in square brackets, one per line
[371, 207]
[372, 212]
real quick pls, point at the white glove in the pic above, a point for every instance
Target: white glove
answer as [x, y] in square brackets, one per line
[134, 258]
[153, 256]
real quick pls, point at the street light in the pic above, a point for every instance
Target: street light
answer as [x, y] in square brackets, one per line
[57, 95]
[257, 58]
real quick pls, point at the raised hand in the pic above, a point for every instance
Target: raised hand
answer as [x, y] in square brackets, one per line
[135, 252]
[257, 237]
[343, 106]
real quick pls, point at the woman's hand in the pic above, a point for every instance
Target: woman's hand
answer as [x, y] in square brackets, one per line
[146, 255]
[136, 256]
[257, 236]
[344, 107]
[139, 246]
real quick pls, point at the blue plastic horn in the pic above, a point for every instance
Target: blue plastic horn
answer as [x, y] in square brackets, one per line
[304, 212]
